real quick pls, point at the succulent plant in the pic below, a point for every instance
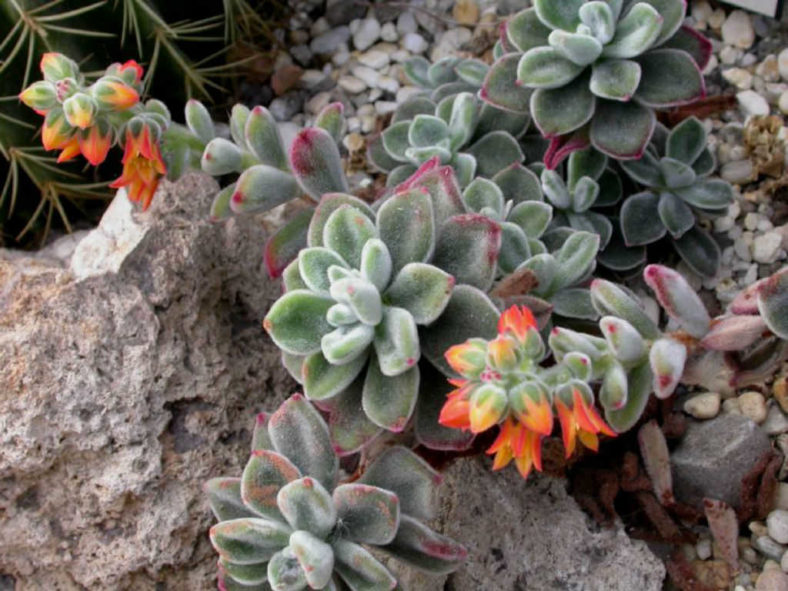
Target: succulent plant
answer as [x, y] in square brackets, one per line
[421, 130]
[674, 173]
[369, 294]
[592, 72]
[288, 523]
[502, 383]
[448, 76]
[588, 184]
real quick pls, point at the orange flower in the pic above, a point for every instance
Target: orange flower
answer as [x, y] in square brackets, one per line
[95, 143]
[517, 321]
[456, 412]
[469, 358]
[111, 94]
[515, 441]
[56, 132]
[580, 421]
[131, 66]
[142, 167]
[70, 150]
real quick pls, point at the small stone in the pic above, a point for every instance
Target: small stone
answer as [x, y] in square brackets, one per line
[466, 12]
[769, 547]
[366, 34]
[701, 11]
[406, 23]
[772, 580]
[753, 406]
[317, 102]
[414, 43]
[769, 68]
[389, 33]
[766, 247]
[351, 84]
[703, 406]
[330, 41]
[367, 75]
[758, 528]
[776, 422]
[711, 66]
[717, 19]
[752, 103]
[385, 107]
[782, 496]
[782, 103]
[782, 64]
[731, 405]
[737, 30]
[780, 392]
[739, 77]
[388, 84]
[353, 142]
[703, 548]
[375, 59]
[784, 562]
[406, 93]
[738, 172]
[730, 55]
[777, 524]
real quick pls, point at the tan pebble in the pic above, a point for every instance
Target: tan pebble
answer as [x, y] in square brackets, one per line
[466, 12]
[780, 392]
[772, 580]
[703, 406]
[758, 528]
[731, 406]
[753, 406]
[353, 142]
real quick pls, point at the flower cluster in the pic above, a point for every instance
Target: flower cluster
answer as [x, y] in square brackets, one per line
[503, 384]
[88, 120]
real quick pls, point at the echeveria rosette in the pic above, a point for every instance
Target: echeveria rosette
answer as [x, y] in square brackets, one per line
[367, 298]
[456, 131]
[448, 76]
[288, 524]
[673, 172]
[503, 384]
[589, 183]
[592, 72]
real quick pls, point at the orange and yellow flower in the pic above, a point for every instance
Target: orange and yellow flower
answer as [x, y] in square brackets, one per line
[517, 320]
[142, 167]
[95, 142]
[580, 420]
[516, 442]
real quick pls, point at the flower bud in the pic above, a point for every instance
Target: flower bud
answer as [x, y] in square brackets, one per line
[113, 95]
[80, 110]
[502, 353]
[40, 96]
[56, 66]
[70, 150]
[56, 131]
[158, 107]
[530, 403]
[95, 142]
[130, 72]
[488, 405]
[469, 358]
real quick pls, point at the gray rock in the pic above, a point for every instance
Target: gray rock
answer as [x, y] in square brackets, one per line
[330, 41]
[285, 107]
[713, 458]
[123, 390]
[341, 12]
[531, 535]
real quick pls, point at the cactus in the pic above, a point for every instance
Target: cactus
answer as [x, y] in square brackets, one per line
[592, 72]
[288, 523]
[673, 172]
[362, 300]
[84, 31]
[457, 131]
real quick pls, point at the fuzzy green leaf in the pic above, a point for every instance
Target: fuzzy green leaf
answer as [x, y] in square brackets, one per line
[610, 299]
[545, 67]
[559, 15]
[313, 264]
[773, 303]
[494, 152]
[347, 343]
[331, 118]
[224, 497]
[406, 223]
[614, 391]
[669, 77]
[299, 433]
[622, 130]
[639, 388]
[419, 546]
[600, 19]
[584, 163]
[369, 515]
[427, 130]
[574, 303]
[472, 71]
[418, 105]
[579, 49]
[462, 120]
[686, 141]
[640, 222]
[678, 299]
[306, 505]
[405, 474]
[467, 248]
[625, 341]
[563, 110]
[485, 197]
[700, 251]
[265, 474]
[249, 540]
[575, 259]
[584, 195]
[262, 187]
[261, 134]
[359, 569]
[442, 71]
[500, 87]
[247, 575]
[519, 184]
[712, 194]
[645, 171]
[666, 359]
[615, 79]
[396, 342]
[526, 31]
[389, 401]
[675, 215]
[315, 162]
[323, 380]
[315, 557]
[532, 216]
[327, 206]
[297, 321]
[676, 174]
[421, 289]
[635, 33]
[285, 572]
[415, 69]
[514, 247]
[672, 12]
[346, 232]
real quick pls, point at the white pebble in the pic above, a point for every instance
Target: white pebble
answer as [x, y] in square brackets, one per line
[753, 406]
[375, 59]
[414, 43]
[766, 247]
[739, 77]
[730, 55]
[366, 33]
[737, 30]
[703, 548]
[782, 64]
[738, 172]
[389, 33]
[351, 84]
[385, 107]
[703, 406]
[388, 84]
[368, 75]
[752, 103]
[782, 103]
[406, 23]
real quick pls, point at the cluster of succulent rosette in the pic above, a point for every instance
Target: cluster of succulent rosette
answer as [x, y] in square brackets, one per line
[463, 299]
